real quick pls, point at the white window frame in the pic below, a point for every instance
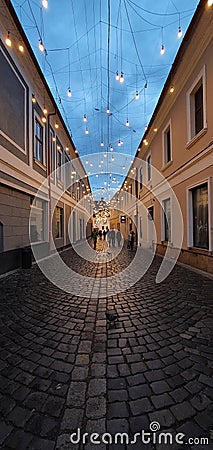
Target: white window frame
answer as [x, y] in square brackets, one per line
[52, 153]
[189, 204]
[190, 114]
[147, 167]
[163, 220]
[38, 118]
[58, 143]
[15, 69]
[164, 143]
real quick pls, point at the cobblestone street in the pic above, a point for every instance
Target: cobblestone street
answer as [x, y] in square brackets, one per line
[63, 367]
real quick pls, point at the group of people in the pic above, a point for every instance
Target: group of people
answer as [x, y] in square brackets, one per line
[112, 236]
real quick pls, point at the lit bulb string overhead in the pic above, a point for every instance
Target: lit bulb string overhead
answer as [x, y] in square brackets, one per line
[93, 90]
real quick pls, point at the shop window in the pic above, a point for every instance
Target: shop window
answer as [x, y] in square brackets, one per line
[166, 220]
[37, 220]
[200, 216]
[59, 222]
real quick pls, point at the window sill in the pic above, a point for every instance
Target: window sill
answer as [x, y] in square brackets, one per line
[39, 164]
[168, 164]
[196, 137]
[201, 251]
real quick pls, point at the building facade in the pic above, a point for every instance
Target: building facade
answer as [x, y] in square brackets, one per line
[175, 156]
[44, 190]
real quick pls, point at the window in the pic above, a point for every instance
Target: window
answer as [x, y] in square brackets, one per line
[167, 220]
[141, 230]
[148, 168]
[59, 222]
[52, 152]
[141, 177]
[38, 140]
[37, 220]
[59, 160]
[167, 145]
[151, 213]
[200, 216]
[1, 238]
[197, 106]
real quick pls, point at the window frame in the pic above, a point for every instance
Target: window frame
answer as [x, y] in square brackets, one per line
[61, 222]
[163, 221]
[59, 151]
[36, 139]
[190, 98]
[167, 128]
[149, 167]
[190, 224]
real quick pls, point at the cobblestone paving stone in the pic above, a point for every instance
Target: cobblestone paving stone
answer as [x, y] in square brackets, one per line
[63, 367]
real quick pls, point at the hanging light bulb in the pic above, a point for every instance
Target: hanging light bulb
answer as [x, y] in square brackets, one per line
[162, 50]
[117, 76]
[137, 95]
[127, 123]
[8, 40]
[179, 33]
[171, 90]
[44, 110]
[122, 77]
[44, 119]
[45, 3]
[69, 93]
[210, 3]
[112, 159]
[21, 47]
[119, 143]
[86, 131]
[41, 46]
[123, 167]
[56, 125]
[33, 98]
[102, 144]
[84, 118]
[108, 110]
[111, 148]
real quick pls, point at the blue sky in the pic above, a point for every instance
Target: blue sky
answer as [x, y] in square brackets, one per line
[75, 35]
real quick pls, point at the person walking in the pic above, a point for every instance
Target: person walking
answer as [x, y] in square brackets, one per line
[132, 240]
[113, 237]
[94, 237]
[104, 234]
[100, 235]
[109, 238]
[118, 237]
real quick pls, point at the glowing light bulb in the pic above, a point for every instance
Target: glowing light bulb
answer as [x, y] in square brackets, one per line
[44, 119]
[210, 3]
[84, 118]
[111, 148]
[45, 3]
[117, 76]
[137, 95]
[44, 110]
[56, 125]
[33, 98]
[108, 110]
[69, 93]
[102, 144]
[21, 47]
[127, 123]
[179, 33]
[155, 129]
[171, 90]
[8, 40]
[119, 143]
[41, 46]
[162, 50]
[86, 131]
[122, 77]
